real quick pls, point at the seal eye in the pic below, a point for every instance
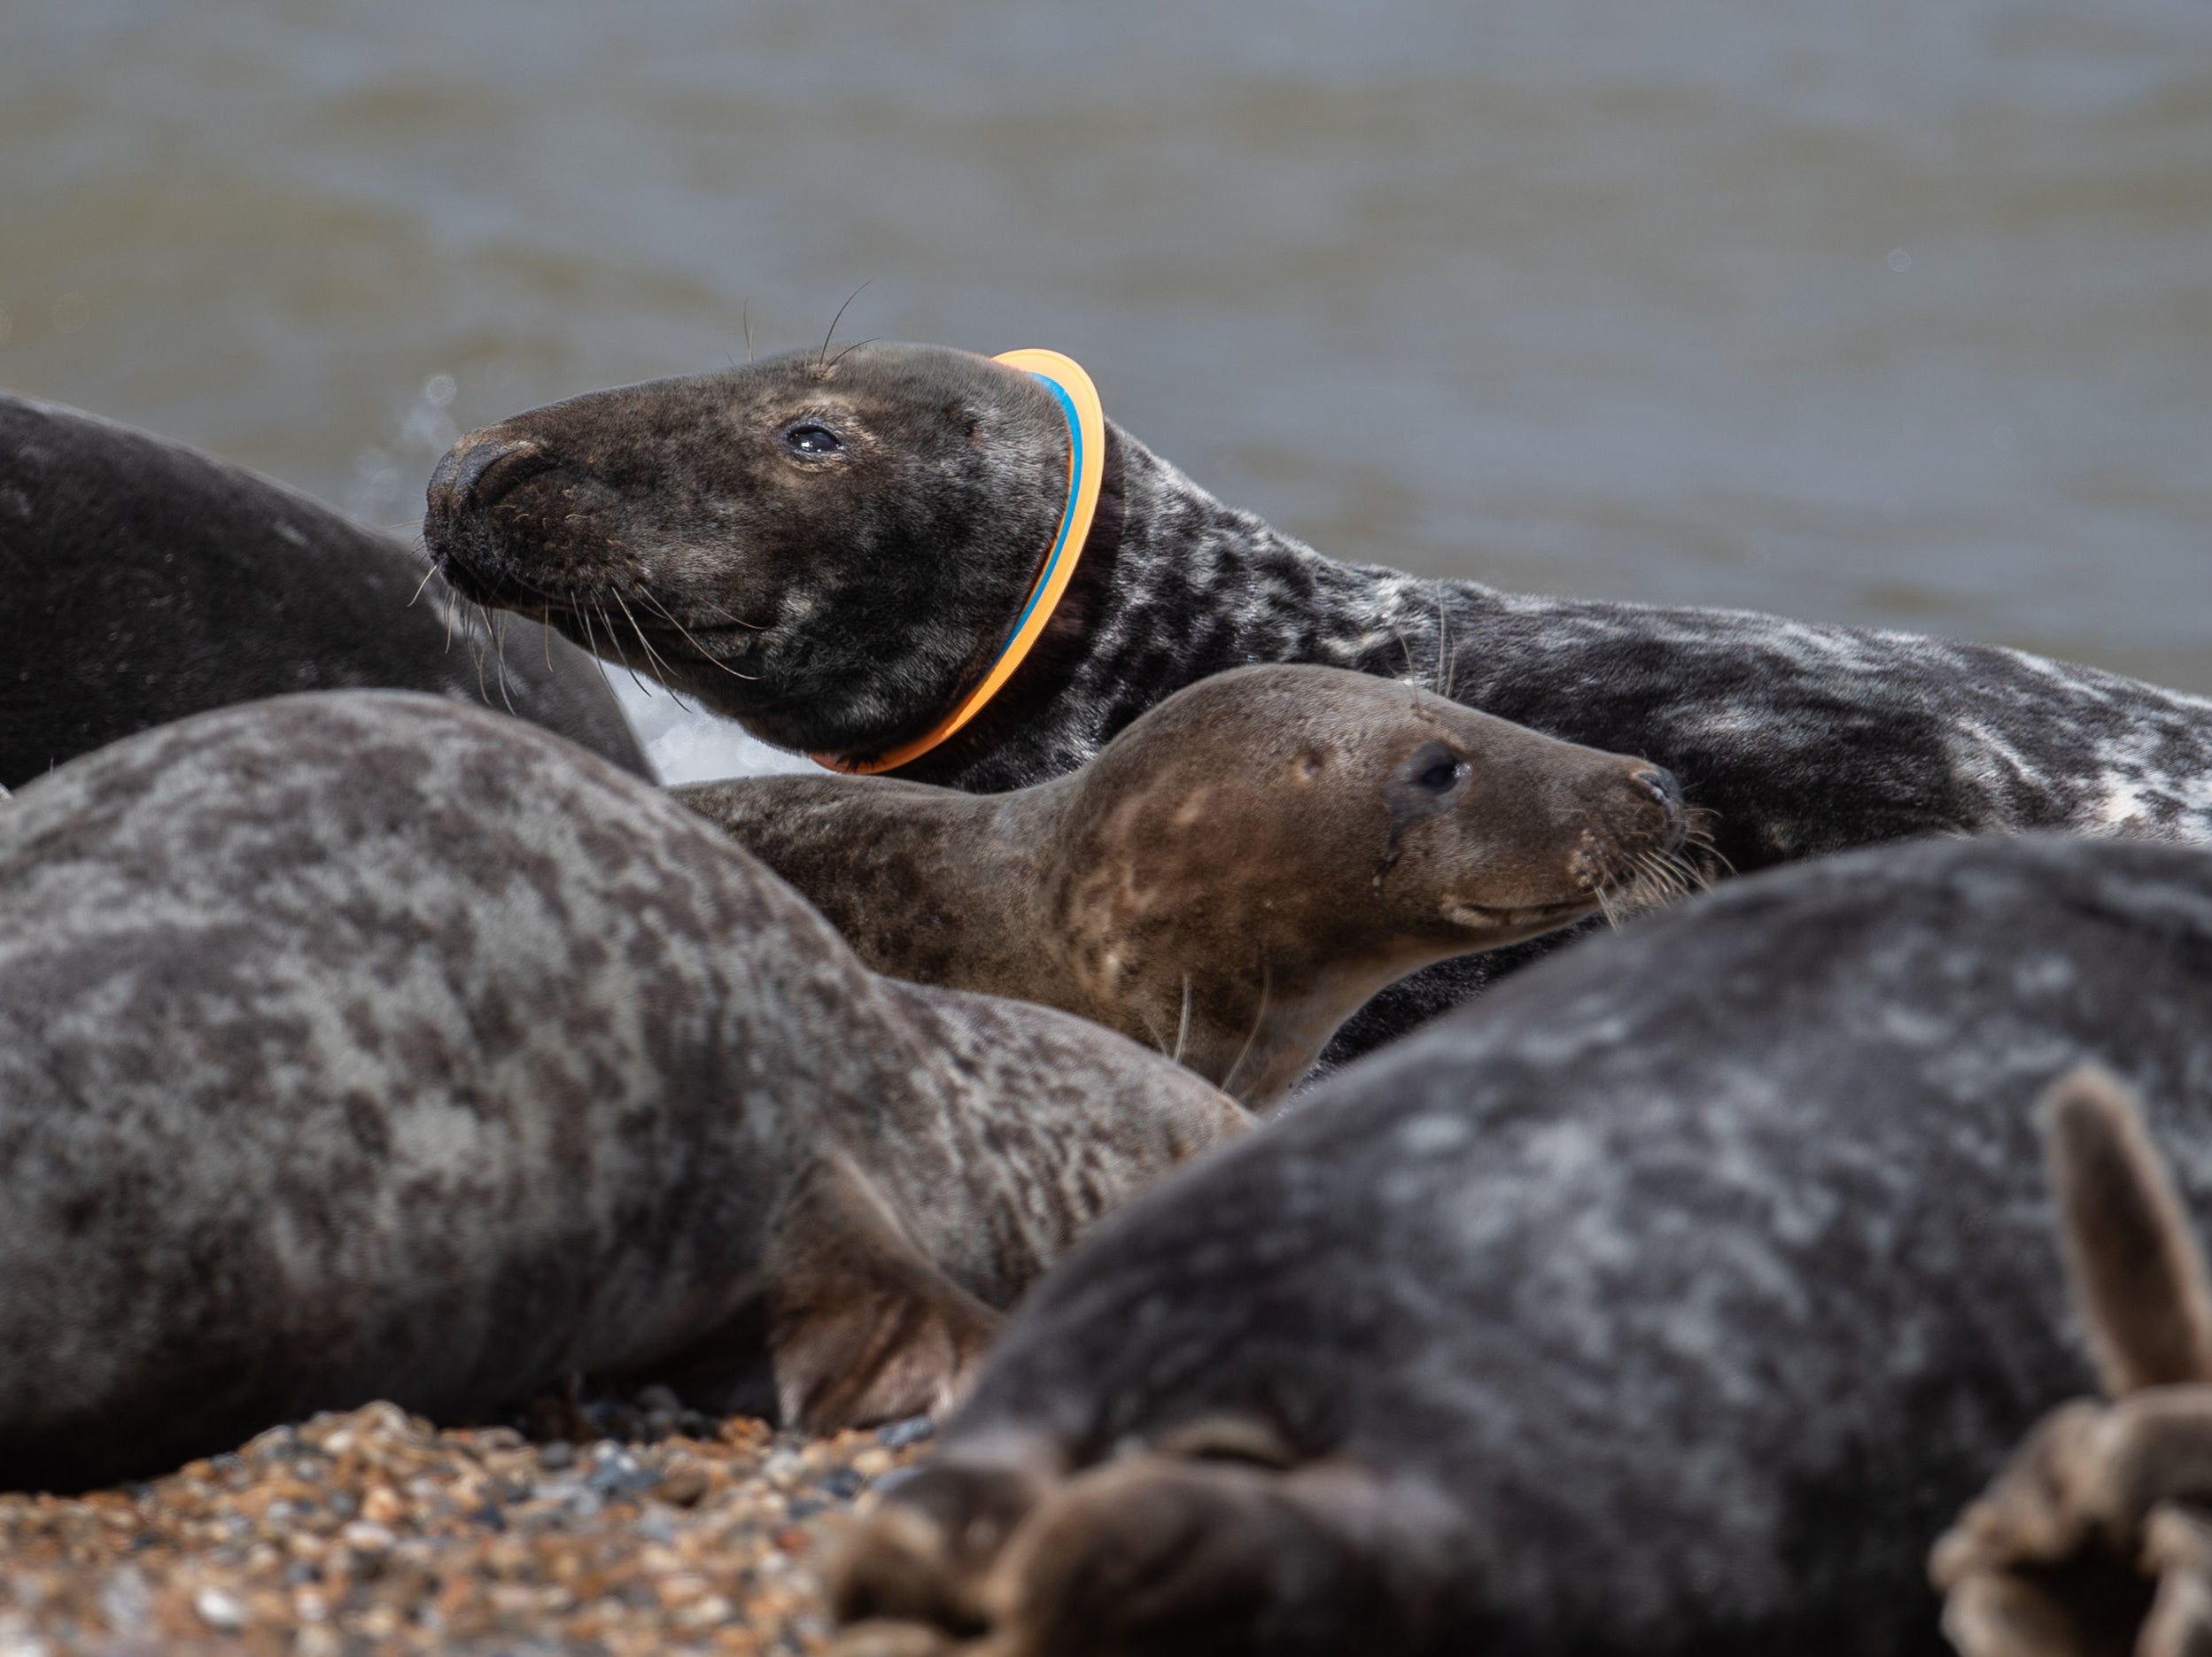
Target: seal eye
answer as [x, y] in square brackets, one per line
[1441, 776]
[809, 438]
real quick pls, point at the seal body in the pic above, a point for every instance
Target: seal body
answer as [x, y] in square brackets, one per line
[366, 1046]
[141, 581]
[1238, 871]
[1672, 1299]
[832, 553]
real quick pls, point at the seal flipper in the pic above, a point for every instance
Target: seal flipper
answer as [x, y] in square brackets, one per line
[862, 1327]
[1157, 1555]
[2062, 1555]
[2136, 1274]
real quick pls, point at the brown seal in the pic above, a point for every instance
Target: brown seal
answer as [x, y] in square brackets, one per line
[365, 1045]
[1237, 871]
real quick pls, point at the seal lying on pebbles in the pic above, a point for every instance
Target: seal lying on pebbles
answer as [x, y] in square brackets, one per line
[369, 1046]
[1672, 1299]
[833, 552]
[1237, 871]
[142, 581]
[2094, 1539]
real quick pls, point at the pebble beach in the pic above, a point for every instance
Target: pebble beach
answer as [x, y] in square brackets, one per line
[374, 1532]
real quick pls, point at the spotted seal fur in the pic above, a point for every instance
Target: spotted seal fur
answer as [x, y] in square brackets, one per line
[830, 550]
[1237, 871]
[367, 1045]
[142, 581]
[1670, 1299]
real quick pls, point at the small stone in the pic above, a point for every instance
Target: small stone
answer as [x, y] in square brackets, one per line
[558, 1455]
[683, 1481]
[383, 1506]
[218, 1610]
[365, 1536]
[873, 1464]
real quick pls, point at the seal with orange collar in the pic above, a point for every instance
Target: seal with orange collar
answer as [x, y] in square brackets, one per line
[834, 551]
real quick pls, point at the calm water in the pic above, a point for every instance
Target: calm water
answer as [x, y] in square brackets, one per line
[1872, 312]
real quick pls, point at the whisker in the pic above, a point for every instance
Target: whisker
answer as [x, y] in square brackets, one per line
[621, 654]
[822, 361]
[499, 650]
[1444, 666]
[1182, 1025]
[647, 597]
[1258, 1018]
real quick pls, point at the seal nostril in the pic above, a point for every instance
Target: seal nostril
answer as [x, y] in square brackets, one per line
[1661, 785]
[477, 474]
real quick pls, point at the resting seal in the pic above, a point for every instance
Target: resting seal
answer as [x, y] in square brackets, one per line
[1237, 871]
[831, 551]
[366, 1046]
[1670, 1299]
[141, 581]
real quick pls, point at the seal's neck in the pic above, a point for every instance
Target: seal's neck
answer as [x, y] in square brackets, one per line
[1174, 587]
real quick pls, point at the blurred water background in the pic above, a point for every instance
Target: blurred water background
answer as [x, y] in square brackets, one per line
[1884, 311]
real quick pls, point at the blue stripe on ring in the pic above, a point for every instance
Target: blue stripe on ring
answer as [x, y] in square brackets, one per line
[1066, 515]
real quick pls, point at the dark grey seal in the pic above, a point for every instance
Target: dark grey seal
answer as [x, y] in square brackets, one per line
[1672, 1300]
[832, 550]
[1237, 871]
[365, 1045]
[142, 581]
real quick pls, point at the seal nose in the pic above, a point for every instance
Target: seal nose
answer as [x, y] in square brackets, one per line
[480, 468]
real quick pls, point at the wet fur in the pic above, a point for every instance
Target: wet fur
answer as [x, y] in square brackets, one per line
[1236, 872]
[872, 592]
[1686, 1287]
[142, 581]
[364, 1046]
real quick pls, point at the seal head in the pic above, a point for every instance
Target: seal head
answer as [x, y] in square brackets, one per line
[680, 526]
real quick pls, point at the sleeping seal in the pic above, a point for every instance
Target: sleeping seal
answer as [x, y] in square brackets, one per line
[366, 1045]
[1235, 872]
[141, 581]
[834, 552]
[1671, 1300]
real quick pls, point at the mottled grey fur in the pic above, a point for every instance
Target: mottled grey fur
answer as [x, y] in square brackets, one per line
[1672, 1299]
[365, 1045]
[873, 585]
[142, 581]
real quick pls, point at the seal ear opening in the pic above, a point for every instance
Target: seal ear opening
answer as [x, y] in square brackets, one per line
[862, 1327]
[2136, 1272]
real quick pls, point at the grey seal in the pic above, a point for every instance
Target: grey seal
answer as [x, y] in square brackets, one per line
[1238, 871]
[832, 551]
[366, 1045]
[142, 581]
[1673, 1298]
